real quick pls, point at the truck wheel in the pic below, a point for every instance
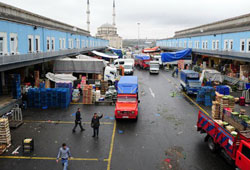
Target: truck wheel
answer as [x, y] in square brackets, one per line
[211, 145]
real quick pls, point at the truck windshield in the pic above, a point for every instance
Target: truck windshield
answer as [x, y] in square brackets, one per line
[127, 66]
[154, 66]
[126, 99]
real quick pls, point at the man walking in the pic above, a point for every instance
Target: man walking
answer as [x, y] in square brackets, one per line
[78, 121]
[95, 124]
[65, 155]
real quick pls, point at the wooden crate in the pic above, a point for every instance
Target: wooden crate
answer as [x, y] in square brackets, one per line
[235, 124]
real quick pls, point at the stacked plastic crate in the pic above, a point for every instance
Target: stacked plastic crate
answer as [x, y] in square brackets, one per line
[49, 97]
[64, 97]
[16, 86]
[37, 98]
[65, 85]
[44, 99]
[223, 90]
[31, 96]
[206, 95]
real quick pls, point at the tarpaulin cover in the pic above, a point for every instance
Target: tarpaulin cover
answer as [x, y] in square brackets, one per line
[173, 56]
[150, 50]
[142, 57]
[69, 65]
[211, 75]
[117, 51]
[128, 85]
[59, 78]
[104, 55]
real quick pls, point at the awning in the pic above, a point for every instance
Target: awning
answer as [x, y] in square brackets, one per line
[88, 65]
[117, 51]
[173, 56]
[151, 50]
[65, 78]
[104, 55]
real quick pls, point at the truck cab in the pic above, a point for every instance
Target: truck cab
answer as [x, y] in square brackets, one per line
[128, 69]
[243, 156]
[190, 82]
[110, 74]
[154, 67]
[127, 98]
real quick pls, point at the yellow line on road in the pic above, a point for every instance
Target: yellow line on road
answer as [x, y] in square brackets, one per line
[196, 104]
[111, 147]
[62, 122]
[47, 158]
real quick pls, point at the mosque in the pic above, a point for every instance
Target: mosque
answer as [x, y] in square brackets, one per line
[109, 31]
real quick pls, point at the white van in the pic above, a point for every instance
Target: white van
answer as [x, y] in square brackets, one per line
[121, 61]
[128, 69]
[154, 67]
[110, 74]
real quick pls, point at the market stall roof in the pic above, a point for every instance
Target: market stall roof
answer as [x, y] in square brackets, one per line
[116, 51]
[105, 55]
[179, 55]
[142, 57]
[65, 78]
[79, 65]
[151, 50]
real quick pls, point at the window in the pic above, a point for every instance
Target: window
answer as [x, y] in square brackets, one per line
[225, 44]
[77, 43]
[213, 45]
[185, 44]
[242, 45]
[30, 43]
[180, 44]
[83, 44]
[248, 45]
[60, 43]
[230, 45]
[13, 43]
[206, 45]
[190, 44]
[71, 43]
[246, 151]
[176, 44]
[64, 43]
[217, 44]
[203, 45]
[52, 43]
[1, 45]
[48, 43]
[37, 43]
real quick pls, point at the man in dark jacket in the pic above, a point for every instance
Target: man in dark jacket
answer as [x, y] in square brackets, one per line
[95, 123]
[78, 121]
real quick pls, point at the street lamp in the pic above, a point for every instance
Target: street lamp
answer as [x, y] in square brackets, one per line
[138, 34]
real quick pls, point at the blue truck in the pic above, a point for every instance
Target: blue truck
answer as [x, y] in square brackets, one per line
[190, 81]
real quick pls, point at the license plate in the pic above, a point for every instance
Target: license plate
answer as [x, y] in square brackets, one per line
[125, 117]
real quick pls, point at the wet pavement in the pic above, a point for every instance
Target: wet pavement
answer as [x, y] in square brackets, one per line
[164, 137]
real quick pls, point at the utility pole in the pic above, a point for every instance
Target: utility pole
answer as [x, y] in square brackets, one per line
[88, 16]
[138, 34]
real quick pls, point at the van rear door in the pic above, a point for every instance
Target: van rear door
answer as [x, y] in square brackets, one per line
[243, 156]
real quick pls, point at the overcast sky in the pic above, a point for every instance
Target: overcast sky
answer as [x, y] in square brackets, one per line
[158, 18]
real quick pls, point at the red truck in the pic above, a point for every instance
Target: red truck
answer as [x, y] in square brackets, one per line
[235, 149]
[142, 61]
[127, 98]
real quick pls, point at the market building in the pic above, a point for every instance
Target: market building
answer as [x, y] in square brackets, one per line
[223, 45]
[30, 42]
[109, 32]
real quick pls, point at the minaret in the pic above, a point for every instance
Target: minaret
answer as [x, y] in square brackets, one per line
[114, 13]
[88, 14]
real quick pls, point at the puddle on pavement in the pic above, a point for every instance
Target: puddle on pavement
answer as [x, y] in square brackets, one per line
[173, 157]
